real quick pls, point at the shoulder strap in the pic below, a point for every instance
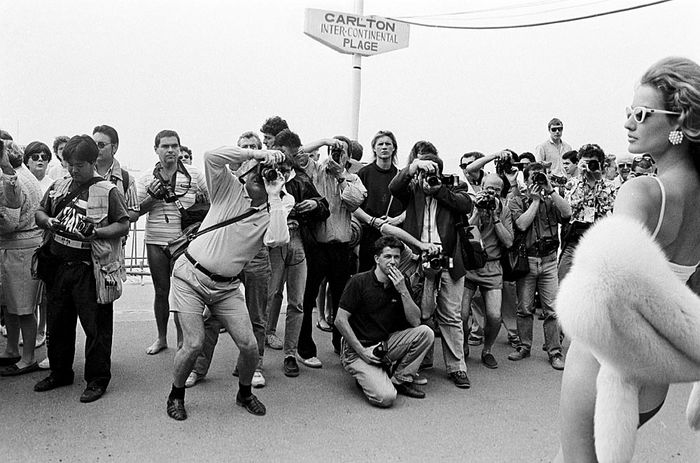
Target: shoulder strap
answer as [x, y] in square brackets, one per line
[246, 214]
[125, 180]
[69, 197]
[662, 211]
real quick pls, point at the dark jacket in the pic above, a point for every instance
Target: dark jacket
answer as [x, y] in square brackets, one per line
[452, 202]
[302, 189]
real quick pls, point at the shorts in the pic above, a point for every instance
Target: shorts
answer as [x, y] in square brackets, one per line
[490, 276]
[191, 290]
[20, 291]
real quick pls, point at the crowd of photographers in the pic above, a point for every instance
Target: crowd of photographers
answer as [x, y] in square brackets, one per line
[389, 257]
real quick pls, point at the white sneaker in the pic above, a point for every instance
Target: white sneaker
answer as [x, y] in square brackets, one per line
[312, 362]
[193, 379]
[420, 380]
[273, 342]
[44, 364]
[258, 379]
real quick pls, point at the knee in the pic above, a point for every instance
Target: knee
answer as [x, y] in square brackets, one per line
[193, 346]
[425, 334]
[249, 347]
[384, 399]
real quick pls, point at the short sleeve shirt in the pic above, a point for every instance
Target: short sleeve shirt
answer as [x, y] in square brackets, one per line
[375, 310]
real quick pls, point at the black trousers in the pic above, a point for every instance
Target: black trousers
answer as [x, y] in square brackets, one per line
[324, 260]
[72, 295]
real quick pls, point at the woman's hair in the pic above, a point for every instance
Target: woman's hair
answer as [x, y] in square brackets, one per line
[421, 147]
[386, 133]
[36, 147]
[678, 81]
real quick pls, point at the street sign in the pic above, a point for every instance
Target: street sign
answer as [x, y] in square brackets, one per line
[355, 34]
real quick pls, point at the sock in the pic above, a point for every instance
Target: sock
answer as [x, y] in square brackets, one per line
[244, 391]
[177, 393]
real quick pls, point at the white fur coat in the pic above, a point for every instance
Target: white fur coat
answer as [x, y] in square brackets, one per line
[642, 324]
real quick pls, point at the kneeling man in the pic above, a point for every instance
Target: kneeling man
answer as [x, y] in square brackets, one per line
[381, 329]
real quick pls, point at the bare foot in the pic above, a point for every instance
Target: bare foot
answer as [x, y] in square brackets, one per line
[157, 347]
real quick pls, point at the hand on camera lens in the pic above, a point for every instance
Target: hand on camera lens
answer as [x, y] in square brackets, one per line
[156, 189]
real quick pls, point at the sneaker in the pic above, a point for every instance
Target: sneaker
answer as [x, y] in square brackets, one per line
[312, 362]
[557, 361]
[176, 409]
[514, 341]
[475, 340]
[519, 354]
[290, 366]
[44, 364]
[460, 379]
[273, 342]
[419, 380]
[252, 404]
[489, 360]
[193, 379]
[258, 379]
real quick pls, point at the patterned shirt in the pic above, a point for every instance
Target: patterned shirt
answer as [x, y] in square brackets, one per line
[590, 203]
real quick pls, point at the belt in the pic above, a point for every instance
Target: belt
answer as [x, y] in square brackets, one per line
[211, 275]
[76, 244]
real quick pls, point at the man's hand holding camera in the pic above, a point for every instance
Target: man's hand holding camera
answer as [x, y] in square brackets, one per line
[590, 168]
[541, 186]
[157, 190]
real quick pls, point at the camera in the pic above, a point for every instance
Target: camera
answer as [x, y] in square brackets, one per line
[545, 246]
[269, 173]
[336, 154]
[380, 350]
[558, 180]
[435, 180]
[593, 165]
[438, 262]
[84, 226]
[539, 178]
[507, 166]
[486, 202]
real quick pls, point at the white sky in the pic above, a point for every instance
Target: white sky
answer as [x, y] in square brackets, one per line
[213, 69]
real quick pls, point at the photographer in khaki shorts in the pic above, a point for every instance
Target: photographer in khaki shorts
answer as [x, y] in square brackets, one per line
[494, 221]
[538, 214]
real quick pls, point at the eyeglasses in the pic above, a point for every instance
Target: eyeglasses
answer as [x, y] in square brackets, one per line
[185, 156]
[463, 166]
[640, 112]
[624, 165]
[556, 129]
[40, 157]
[101, 144]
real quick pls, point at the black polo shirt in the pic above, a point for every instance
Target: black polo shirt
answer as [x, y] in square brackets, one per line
[376, 311]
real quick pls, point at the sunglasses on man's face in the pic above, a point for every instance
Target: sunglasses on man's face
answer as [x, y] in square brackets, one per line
[185, 156]
[625, 165]
[556, 129]
[39, 157]
[101, 144]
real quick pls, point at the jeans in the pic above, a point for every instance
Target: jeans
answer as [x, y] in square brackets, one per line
[566, 259]
[331, 260]
[72, 295]
[448, 315]
[405, 348]
[542, 276]
[255, 278]
[288, 264]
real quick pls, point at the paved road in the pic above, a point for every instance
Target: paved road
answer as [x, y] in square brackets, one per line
[509, 414]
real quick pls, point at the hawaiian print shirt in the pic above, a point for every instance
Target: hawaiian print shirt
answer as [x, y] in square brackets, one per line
[590, 203]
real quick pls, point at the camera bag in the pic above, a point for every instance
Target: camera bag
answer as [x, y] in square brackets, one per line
[514, 259]
[473, 253]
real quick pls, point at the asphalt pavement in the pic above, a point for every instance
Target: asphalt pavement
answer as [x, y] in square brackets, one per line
[508, 415]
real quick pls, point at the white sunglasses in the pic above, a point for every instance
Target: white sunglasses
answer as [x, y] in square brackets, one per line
[640, 112]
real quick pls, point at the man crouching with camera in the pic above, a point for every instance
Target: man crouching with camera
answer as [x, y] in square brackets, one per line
[207, 273]
[433, 202]
[495, 224]
[538, 215]
[380, 325]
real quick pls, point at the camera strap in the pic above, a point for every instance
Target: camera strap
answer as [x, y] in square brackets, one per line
[172, 183]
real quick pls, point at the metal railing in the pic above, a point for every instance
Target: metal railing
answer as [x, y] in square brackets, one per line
[135, 259]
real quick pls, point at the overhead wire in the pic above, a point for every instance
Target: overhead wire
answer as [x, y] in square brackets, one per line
[536, 24]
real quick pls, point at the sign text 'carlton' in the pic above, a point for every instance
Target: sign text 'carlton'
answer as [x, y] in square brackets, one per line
[349, 33]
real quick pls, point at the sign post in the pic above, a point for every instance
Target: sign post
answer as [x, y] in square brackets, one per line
[359, 36]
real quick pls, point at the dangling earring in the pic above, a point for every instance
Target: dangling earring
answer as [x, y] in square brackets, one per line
[675, 137]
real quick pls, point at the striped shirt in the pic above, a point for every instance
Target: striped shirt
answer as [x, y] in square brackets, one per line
[163, 221]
